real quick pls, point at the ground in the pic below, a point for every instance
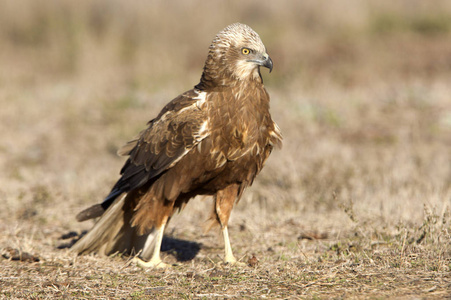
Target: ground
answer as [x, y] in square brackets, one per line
[357, 204]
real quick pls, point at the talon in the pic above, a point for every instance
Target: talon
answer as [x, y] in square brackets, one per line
[231, 260]
[153, 263]
[235, 263]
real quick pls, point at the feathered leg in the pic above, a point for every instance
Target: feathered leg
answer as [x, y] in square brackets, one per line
[152, 248]
[224, 201]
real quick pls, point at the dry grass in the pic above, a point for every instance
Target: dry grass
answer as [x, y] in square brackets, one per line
[356, 205]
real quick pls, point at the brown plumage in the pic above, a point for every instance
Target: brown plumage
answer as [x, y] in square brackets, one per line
[211, 140]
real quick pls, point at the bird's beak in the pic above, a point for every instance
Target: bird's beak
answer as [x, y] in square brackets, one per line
[267, 62]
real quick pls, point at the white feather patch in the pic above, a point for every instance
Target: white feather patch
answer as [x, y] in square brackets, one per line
[201, 98]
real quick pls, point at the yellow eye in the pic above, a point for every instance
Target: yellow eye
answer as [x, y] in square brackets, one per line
[245, 51]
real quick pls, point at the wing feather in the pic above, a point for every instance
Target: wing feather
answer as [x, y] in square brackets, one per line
[180, 127]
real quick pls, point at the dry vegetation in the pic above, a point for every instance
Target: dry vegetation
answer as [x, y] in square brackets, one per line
[356, 205]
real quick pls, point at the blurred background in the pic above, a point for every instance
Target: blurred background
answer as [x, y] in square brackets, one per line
[360, 89]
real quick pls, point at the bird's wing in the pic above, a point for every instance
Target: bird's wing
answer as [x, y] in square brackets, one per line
[180, 126]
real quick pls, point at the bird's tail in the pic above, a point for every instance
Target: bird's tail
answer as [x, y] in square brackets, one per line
[113, 233]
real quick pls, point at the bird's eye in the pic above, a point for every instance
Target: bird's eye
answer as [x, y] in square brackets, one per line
[245, 51]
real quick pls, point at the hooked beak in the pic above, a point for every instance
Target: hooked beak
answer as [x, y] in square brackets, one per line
[265, 61]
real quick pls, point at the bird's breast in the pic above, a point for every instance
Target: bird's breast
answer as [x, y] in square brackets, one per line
[239, 119]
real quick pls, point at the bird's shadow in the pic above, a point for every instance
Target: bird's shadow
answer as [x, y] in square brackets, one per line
[182, 250]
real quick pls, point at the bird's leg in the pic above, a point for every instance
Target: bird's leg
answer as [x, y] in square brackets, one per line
[229, 258]
[155, 261]
[224, 201]
[228, 255]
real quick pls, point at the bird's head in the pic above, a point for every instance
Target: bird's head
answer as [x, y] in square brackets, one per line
[236, 52]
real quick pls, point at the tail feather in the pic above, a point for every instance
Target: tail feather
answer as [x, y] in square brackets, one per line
[98, 209]
[92, 212]
[114, 233]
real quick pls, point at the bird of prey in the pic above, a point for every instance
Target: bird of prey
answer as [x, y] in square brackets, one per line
[210, 140]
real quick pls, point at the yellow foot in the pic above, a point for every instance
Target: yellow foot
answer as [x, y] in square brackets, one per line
[153, 263]
[233, 262]
[237, 264]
